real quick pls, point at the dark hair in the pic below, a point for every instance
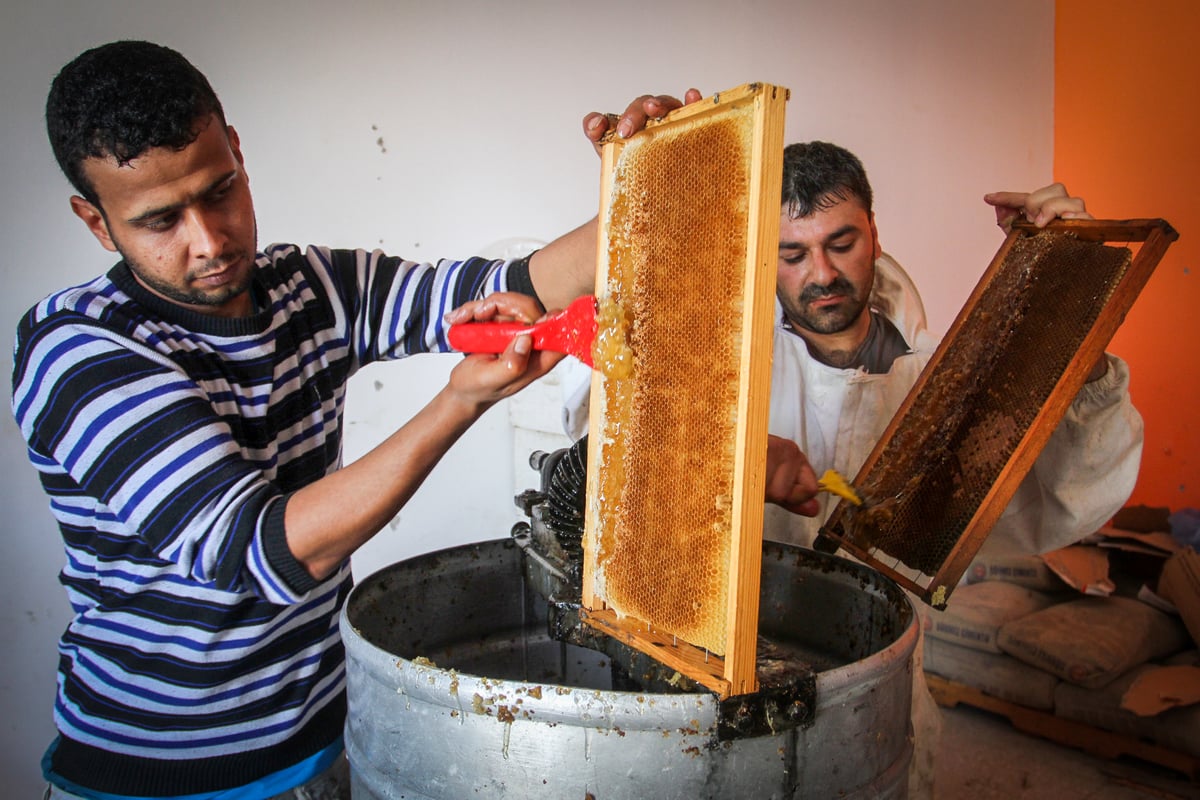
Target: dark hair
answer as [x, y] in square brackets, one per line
[122, 99]
[818, 175]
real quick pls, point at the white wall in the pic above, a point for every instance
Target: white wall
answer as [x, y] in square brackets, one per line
[435, 129]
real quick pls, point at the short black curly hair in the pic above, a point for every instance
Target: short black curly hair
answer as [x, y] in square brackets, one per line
[122, 99]
[818, 175]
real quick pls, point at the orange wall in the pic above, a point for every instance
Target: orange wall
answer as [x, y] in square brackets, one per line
[1127, 139]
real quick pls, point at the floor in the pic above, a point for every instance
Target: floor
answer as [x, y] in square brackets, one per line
[983, 757]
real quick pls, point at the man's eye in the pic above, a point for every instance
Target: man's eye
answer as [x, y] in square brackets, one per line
[223, 191]
[160, 223]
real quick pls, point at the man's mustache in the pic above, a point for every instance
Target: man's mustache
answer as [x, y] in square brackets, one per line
[838, 285]
[215, 265]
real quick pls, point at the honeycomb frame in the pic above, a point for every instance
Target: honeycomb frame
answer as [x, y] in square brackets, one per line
[985, 405]
[688, 243]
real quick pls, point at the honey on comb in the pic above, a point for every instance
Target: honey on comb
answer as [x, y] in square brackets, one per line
[677, 243]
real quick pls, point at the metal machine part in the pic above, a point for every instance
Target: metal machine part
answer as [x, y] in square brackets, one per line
[553, 538]
[469, 673]
[456, 689]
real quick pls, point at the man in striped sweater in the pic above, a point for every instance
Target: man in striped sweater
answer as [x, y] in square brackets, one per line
[184, 412]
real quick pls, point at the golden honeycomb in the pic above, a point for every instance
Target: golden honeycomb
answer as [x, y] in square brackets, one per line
[677, 241]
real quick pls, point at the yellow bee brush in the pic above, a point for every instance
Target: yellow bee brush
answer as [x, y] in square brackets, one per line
[834, 483]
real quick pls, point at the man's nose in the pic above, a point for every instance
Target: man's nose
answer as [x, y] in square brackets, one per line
[821, 271]
[206, 233]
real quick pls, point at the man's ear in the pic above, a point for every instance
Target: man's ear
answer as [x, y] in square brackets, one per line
[235, 144]
[875, 238]
[93, 218]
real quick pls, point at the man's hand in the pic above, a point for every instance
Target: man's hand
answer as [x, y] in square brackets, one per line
[791, 482]
[1040, 207]
[596, 124]
[482, 379]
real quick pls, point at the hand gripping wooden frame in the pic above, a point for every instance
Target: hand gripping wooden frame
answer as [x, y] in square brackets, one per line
[689, 231]
[990, 397]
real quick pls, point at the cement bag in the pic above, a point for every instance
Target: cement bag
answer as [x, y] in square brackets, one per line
[975, 613]
[1092, 640]
[1028, 571]
[998, 675]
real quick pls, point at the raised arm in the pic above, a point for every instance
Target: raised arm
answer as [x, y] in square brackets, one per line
[329, 519]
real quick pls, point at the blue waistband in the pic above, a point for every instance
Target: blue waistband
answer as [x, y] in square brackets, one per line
[276, 783]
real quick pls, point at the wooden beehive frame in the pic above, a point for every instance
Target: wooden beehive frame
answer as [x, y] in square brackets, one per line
[733, 670]
[845, 528]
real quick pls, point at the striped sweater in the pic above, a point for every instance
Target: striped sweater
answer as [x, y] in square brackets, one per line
[201, 655]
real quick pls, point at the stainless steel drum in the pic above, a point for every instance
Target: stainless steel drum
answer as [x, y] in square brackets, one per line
[457, 690]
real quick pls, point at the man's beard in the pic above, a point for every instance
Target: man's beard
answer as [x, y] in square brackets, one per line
[196, 297]
[833, 319]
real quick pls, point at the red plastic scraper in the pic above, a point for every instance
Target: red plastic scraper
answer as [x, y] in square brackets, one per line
[569, 331]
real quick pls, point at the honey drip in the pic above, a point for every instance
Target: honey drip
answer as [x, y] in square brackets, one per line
[611, 352]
